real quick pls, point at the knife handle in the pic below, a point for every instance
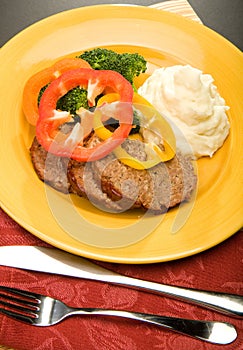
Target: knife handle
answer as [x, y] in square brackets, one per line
[229, 304]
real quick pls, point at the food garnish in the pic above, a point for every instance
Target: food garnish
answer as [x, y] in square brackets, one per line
[129, 65]
[50, 120]
[40, 80]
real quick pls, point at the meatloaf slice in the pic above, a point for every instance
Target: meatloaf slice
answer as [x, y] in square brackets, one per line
[76, 169]
[84, 183]
[69, 176]
[159, 188]
[50, 168]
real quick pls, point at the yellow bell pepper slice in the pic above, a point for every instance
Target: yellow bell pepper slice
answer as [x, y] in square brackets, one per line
[135, 163]
[120, 152]
[155, 122]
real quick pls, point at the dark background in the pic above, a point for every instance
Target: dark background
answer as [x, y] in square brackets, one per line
[223, 16]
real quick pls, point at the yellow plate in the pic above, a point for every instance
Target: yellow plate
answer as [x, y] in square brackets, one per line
[164, 39]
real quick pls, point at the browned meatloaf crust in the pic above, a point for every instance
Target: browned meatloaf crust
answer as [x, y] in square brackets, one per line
[50, 168]
[114, 186]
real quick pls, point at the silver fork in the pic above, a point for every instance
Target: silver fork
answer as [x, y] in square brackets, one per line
[39, 310]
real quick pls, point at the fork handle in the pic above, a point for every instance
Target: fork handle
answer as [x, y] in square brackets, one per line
[212, 332]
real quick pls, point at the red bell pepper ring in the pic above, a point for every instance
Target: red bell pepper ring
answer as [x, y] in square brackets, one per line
[95, 81]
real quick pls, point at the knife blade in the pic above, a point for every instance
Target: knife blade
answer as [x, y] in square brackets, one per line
[56, 261]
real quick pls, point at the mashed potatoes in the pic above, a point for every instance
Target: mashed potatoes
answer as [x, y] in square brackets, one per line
[190, 100]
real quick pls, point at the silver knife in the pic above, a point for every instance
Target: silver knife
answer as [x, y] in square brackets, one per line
[56, 261]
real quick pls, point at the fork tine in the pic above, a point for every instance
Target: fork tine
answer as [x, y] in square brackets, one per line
[21, 292]
[12, 296]
[19, 307]
[18, 300]
[17, 316]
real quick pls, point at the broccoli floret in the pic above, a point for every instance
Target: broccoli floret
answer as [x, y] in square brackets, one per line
[100, 58]
[131, 65]
[127, 64]
[73, 100]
